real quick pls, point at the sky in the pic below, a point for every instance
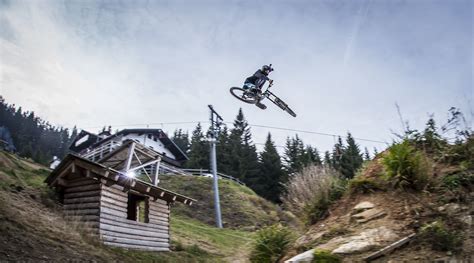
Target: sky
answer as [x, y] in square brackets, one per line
[342, 66]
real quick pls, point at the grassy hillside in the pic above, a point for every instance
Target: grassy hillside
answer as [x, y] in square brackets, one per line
[241, 207]
[32, 227]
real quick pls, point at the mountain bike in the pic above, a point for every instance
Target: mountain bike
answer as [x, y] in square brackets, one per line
[255, 96]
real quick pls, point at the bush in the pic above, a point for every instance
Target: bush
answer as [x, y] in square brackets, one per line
[441, 238]
[407, 167]
[310, 192]
[363, 185]
[461, 179]
[461, 152]
[271, 244]
[324, 256]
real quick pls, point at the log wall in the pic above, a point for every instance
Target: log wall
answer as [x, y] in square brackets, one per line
[82, 203]
[117, 230]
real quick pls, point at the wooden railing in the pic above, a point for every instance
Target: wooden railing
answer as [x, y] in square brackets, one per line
[99, 152]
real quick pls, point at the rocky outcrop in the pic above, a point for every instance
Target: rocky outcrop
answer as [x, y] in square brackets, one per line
[368, 215]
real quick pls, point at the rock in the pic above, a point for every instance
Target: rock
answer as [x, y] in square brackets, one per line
[368, 215]
[303, 257]
[310, 237]
[363, 206]
[451, 208]
[364, 241]
[467, 220]
[354, 246]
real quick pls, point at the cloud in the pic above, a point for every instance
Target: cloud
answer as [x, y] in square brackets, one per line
[340, 65]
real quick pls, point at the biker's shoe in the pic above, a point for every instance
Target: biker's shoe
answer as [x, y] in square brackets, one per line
[261, 105]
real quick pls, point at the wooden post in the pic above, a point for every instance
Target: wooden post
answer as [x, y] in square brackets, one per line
[130, 156]
[155, 180]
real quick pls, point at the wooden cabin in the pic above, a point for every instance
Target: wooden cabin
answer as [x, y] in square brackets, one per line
[117, 197]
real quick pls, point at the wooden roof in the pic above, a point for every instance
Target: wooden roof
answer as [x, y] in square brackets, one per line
[77, 165]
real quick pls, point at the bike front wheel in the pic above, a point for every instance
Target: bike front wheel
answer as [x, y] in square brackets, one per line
[243, 95]
[284, 106]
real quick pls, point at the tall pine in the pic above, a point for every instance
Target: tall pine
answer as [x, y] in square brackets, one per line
[199, 150]
[244, 162]
[351, 159]
[181, 139]
[271, 177]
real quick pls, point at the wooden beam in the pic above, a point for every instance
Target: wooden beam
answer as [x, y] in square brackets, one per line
[389, 248]
[64, 172]
[131, 151]
[61, 182]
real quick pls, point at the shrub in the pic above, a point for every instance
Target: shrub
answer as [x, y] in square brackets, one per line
[461, 152]
[310, 192]
[271, 243]
[461, 179]
[363, 185]
[441, 238]
[324, 256]
[407, 167]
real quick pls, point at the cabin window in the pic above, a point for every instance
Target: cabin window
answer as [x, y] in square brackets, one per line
[149, 136]
[137, 209]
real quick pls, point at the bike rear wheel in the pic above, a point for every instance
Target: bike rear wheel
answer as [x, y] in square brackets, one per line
[243, 95]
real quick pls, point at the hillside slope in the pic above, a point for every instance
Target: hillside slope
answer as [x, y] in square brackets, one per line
[241, 207]
[376, 211]
[32, 227]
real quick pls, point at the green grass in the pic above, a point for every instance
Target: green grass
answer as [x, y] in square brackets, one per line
[186, 254]
[220, 242]
[18, 172]
[240, 206]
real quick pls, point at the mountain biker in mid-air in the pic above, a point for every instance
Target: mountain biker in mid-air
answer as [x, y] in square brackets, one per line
[257, 80]
[252, 93]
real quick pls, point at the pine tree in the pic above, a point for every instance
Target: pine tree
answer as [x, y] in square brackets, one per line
[327, 159]
[311, 156]
[244, 163]
[271, 177]
[366, 154]
[181, 139]
[294, 155]
[224, 151]
[199, 150]
[351, 159]
[337, 153]
[376, 152]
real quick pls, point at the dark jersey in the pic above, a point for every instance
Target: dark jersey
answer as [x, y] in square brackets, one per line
[258, 79]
